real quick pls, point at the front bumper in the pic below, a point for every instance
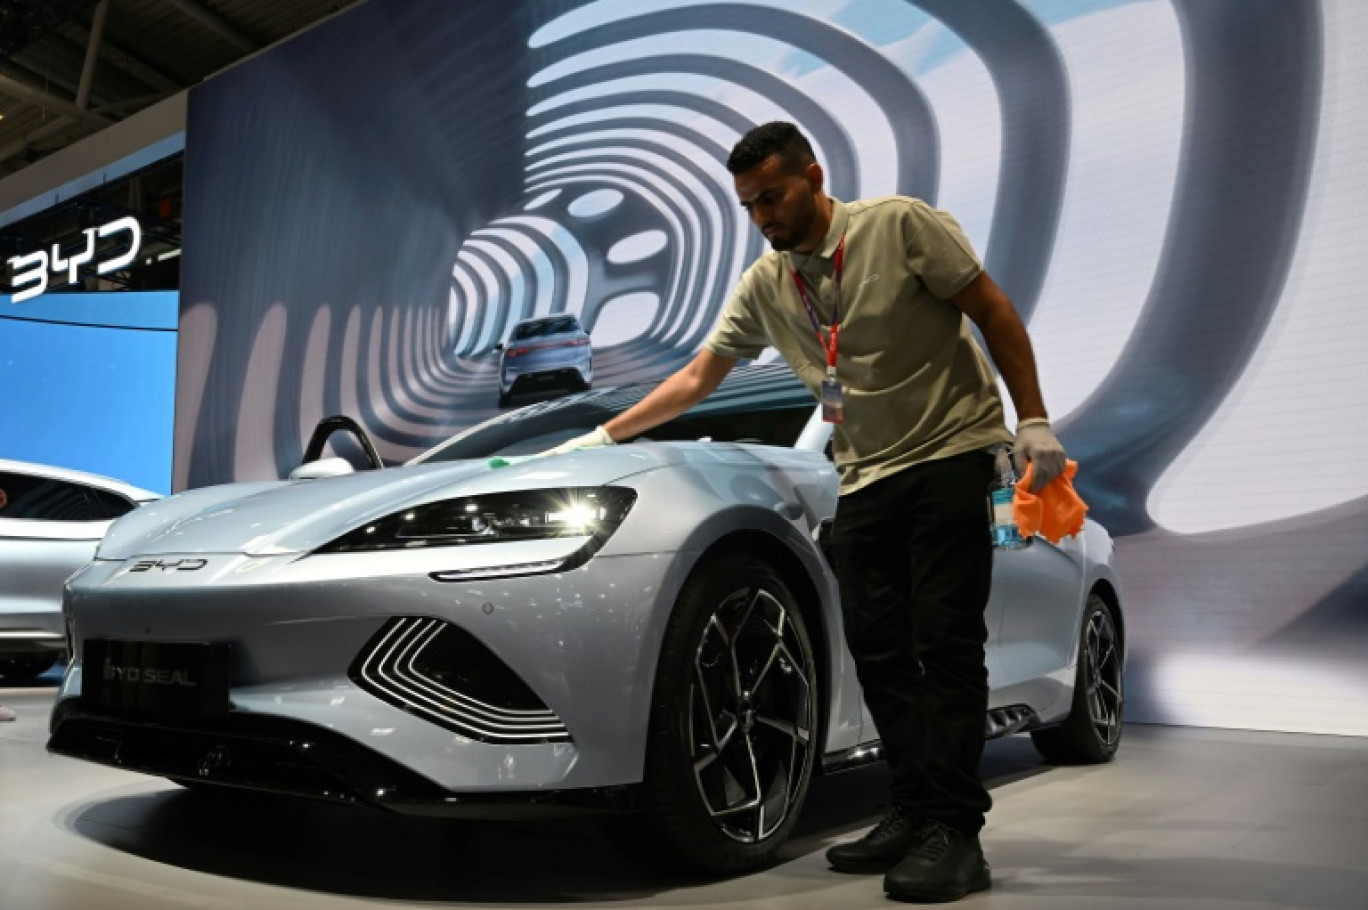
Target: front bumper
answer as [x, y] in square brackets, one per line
[279, 755]
[578, 640]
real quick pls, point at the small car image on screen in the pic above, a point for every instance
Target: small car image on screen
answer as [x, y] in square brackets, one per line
[550, 352]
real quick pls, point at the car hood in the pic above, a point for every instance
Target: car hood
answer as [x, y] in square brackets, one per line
[261, 519]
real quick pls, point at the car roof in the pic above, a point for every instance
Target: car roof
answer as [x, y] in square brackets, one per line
[71, 475]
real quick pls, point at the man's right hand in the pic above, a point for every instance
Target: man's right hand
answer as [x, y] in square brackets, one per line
[1037, 444]
[593, 440]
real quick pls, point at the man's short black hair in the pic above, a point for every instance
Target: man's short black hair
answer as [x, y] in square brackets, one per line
[776, 138]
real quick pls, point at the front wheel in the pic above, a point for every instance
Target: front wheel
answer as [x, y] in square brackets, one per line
[733, 728]
[1092, 732]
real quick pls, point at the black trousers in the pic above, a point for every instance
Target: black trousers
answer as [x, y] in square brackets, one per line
[914, 559]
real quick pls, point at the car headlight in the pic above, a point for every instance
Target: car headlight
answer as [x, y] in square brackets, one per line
[593, 512]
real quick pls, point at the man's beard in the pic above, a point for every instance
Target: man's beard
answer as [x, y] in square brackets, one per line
[787, 238]
[781, 243]
[784, 240]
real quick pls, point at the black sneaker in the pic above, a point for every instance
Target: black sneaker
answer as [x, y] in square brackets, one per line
[943, 865]
[879, 850]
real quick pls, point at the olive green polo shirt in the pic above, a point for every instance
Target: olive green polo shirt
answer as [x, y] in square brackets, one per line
[917, 386]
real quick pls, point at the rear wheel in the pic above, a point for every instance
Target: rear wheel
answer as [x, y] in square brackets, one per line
[21, 667]
[733, 729]
[1093, 731]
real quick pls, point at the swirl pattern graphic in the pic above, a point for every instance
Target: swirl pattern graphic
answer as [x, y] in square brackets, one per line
[617, 207]
[625, 214]
[626, 138]
[1156, 183]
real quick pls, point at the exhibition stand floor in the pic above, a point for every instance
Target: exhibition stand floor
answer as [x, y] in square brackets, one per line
[1184, 818]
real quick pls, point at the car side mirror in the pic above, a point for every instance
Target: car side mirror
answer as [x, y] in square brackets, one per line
[323, 467]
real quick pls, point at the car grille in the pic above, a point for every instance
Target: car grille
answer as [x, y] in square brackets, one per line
[268, 757]
[443, 674]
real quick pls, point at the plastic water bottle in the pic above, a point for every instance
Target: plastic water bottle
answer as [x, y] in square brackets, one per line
[1000, 496]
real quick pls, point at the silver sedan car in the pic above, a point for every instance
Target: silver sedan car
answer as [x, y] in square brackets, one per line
[647, 631]
[51, 520]
[547, 352]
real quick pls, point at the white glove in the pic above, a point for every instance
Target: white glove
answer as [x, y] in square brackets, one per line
[1036, 443]
[596, 439]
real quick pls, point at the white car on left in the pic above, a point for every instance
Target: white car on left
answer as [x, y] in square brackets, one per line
[51, 521]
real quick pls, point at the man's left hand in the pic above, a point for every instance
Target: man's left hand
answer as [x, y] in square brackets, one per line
[1036, 443]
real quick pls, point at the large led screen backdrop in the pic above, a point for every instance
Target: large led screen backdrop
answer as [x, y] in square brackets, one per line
[1171, 191]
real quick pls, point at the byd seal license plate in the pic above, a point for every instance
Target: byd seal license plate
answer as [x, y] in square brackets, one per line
[156, 678]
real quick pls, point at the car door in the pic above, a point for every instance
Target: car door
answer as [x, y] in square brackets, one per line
[49, 528]
[1036, 604]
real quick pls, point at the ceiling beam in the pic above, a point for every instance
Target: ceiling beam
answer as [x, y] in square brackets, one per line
[121, 107]
[142, 69]
[116, 55]
[34, 95]
[92, 56]
[216, 24]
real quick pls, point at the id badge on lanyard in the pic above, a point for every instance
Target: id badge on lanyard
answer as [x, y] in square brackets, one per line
[832, 396]
[833, 400]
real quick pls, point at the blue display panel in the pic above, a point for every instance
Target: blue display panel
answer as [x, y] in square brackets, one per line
[89, 383]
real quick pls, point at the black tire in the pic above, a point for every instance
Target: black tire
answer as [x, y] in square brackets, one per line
[733, 727]
[24, 667]
[1092, 733]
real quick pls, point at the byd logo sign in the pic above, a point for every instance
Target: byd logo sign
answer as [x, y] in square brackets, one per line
[32, 269]
[174, 565]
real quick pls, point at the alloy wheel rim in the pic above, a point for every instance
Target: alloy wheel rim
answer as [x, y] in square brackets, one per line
[750, 715]
[1105, 696]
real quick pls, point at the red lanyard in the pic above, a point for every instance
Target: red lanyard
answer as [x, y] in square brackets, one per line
[831, 342]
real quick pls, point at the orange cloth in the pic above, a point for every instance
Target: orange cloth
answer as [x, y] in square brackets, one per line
[1055, 512]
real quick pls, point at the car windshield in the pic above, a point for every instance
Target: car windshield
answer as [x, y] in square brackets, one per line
[50, 499]
[543, 327]
[757, 404]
